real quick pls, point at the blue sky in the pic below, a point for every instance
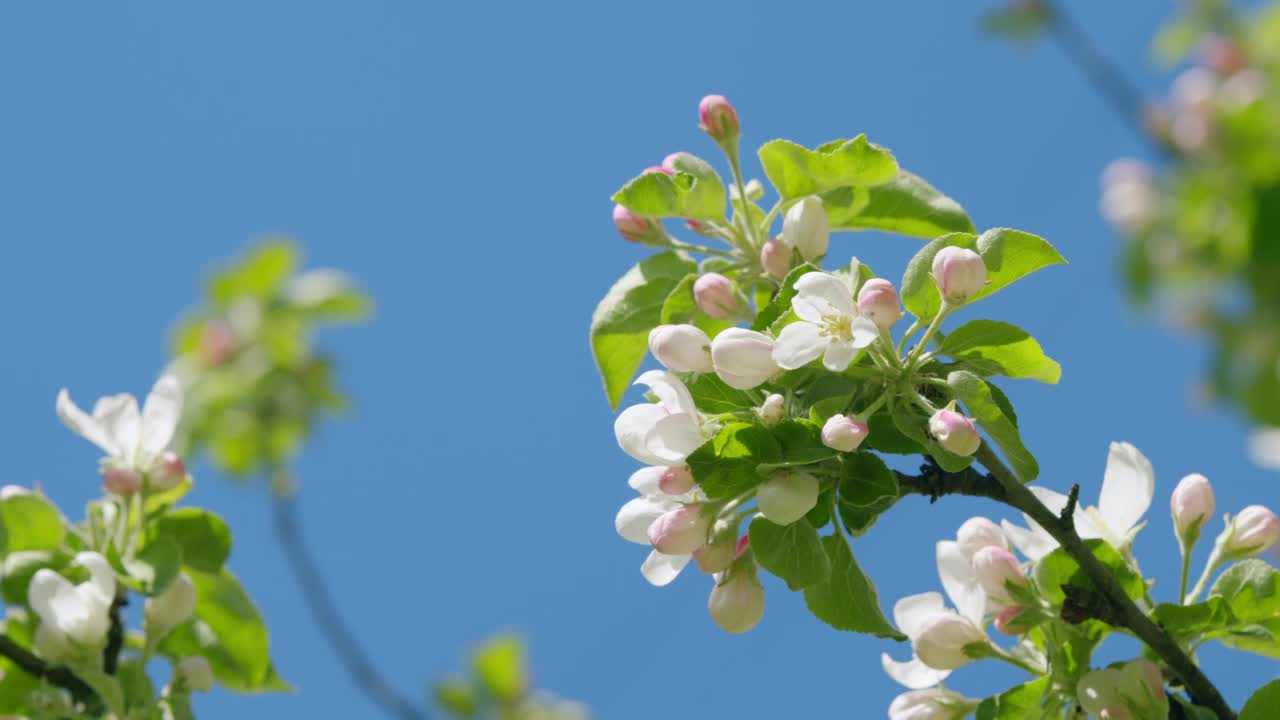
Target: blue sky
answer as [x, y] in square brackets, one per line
[457, 158]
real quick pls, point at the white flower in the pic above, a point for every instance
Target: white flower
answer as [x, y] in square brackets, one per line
[73, 616]
[1127, 487]
[805, 228]
[664, 432]
[743, 358]
[196, 673]
[170, 608]
[930, 704]
[131, 439]
[829, 326]
[634, 519]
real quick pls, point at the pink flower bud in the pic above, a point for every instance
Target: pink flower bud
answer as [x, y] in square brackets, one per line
[1222, 55]
[681, 531]
[737, 603]
[715, 557]
[676, 480]
[878, 300]
[744, 543]
[217, 342]
[954, 432]
[775, 258]
[742, 358]
[682, 348]
[977, 533]
[718, 119]
[699, 228]
[632, 226]
[1007, 621]
[657, 169]
[716, 296]
[843, 434]
[941, 640]
[787, 496]
[773, 411]
[168, 472]
[121, 481]
[805, 227]
[959, 273]
[1192, 504]
[997, 570]
[1254, 531]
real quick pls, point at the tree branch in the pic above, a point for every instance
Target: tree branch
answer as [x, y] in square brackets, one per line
[55, 675]
[935, 482]
[324, 610]
[115, 638]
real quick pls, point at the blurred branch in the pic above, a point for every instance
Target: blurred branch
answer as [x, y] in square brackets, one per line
[1105, 77]
[55, 675]
[115, 637]
[335, 629]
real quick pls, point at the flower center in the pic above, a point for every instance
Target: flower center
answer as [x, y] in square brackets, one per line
[837, 326]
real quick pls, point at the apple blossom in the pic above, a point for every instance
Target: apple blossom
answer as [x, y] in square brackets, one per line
[1243, 89]
[1128, 197]
[1192, 504]
[121, 481]
[74, 617]
[879, 301]
[664, 432]
[675, 480]
[942, 639]
[742, 358]
[635, 228]
[196, 673]
[805, 228]
[682, 529]
[635, 517]
[1136, 688]
[830, 325]
[959, 273]
[1253, 531]
[843, 433]
[977, 533]
[682, 348]
[737, 601]
[1221, 54]
[718, 119]
[930, 704]
[997, 571]
[787, 496]
[170, 608]
[775, 258]
[717, 555]
[773, 411]
[954, 432]
[717, 296]
[131, 439]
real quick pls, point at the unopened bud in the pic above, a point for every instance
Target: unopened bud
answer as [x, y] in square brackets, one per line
[843, 434]
[977, 533]
[959, 273]
[682, 530]
[716, 296]
[773, 411]
[121, 481]
[1192, 504]
[743, 359]
[1254, 531]
[168, 472]
[682, 348]
[171, 608]
[699, 228]
[737, 603]
[787, 496]
[718, 119]
[217, 342]
[1221, 54]
[954, 432]
[933, 703]
[676, 480]
[716, 556]
[633, 227]
[1007, 620]
[878, 300]
[941, 640]
[9, 491]
[998, 571]
[775, 258]
[196, 673]
[806, 229]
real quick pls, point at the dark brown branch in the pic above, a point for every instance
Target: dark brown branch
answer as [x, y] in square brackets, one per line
[934, 482]
[115, 638]
[319, 601]
[55, 675]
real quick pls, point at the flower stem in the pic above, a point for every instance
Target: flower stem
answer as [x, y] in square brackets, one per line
[742, 197]
[1212, 564]
[1186, 568]
[928, 335]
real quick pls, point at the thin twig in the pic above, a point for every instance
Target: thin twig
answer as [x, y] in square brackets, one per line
[325, 611]
[1123, 96]
[56, 675]
[1067, 516]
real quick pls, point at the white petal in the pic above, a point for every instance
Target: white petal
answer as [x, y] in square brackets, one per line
[1056, 502]
[1264, 447]
[102, 579]
[660, 569]
[631, 427]
[121, 423]
[671, 393]
[960, 582]
[1033, 544]
[1127, 488]
[864, 331]
[81, 423]
[912, 611]
[645, 480]
[634, 519]
[811, 309]
[912, 673]
[838, 356]
[160, 415]
[45, 585]
[673, 437]
[799, 344]
[828, 288]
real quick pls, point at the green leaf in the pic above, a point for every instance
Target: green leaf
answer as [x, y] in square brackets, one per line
[695, 192]
[228, 632]
[259, 275]
[1192, 712]
[1058, 568]
[156, 565]
[781, 302]
[18, 569]
[633, 306]
[914, 426]
[1251, 588]
[797, 171]
[801, 444]
[1017, 703]
[204, 537]
[1262, 705]
[884, 436]
[711, 395]
[29, 522]
[906, 205]
[848, 600]
[499, 664]
[1183, 621]
[997, 348]
[1021, 22]
[157, 503]
[457, 697]
[726, 465]
[867, 488]
[792, 552]
[1008, 254]
[973, 392]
